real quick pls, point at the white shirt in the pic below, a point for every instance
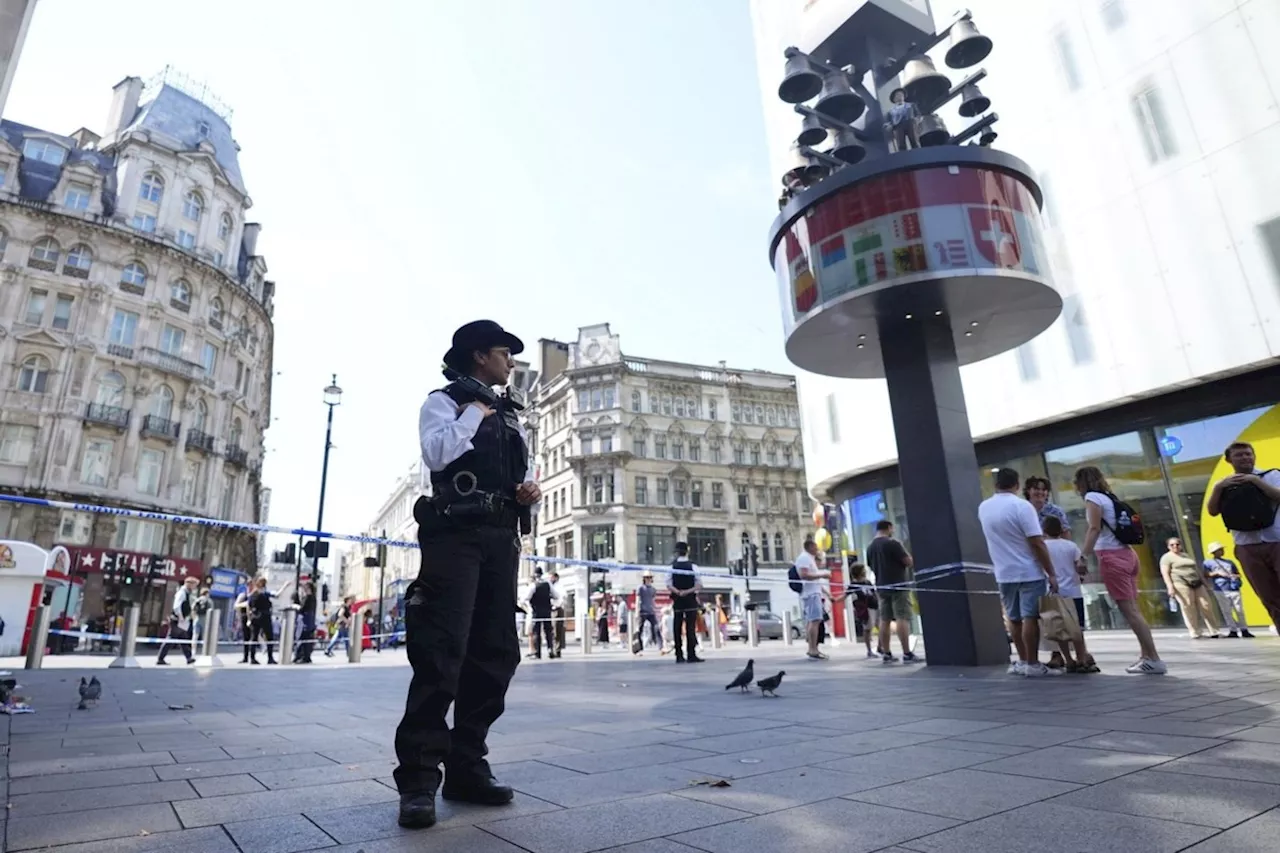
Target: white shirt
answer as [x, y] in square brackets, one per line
[1268, 534]
[805, 563]
[1007, 520]
[445, 435]
[184, 621]
[1064, 553]
[1107, 540]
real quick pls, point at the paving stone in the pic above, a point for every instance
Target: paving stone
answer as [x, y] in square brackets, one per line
[783, 789]
[530, 776]
[210, 839]
[621, 822]
[1030, 735]
[1253, 836]
[944, 726]
[220, 786]
[81, 781]
[198, 755]
[48, 766]
[831, 825]
[531, 752]
[909, 762]
[1052, 827]
[592, 788]
[1222, 803]
[464, 839]
[640, 756]
[378, 820]
[56, 802]
[1070, 764]
[236, 766]
[712, 727]
[1248, 760]
[25, 833]
[757, 761]
[964, 794]
[325, 775]
[279, 834]
[214, 810]
[1154, 744]
[42, 750]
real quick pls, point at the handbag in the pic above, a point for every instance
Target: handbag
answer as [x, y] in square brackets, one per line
[1058, 619]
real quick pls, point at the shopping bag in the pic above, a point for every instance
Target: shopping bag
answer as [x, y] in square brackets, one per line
[1058, 619]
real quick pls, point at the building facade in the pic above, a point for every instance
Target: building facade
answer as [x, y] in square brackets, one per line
[1151, 126]
[135, 339]
[636, 454]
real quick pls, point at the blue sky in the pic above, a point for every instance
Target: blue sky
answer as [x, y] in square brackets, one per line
[417, 165]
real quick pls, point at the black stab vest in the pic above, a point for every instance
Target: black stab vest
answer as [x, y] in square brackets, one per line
[498, 459]
[682, 578]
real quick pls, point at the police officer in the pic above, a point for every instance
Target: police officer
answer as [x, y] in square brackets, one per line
[460, 612]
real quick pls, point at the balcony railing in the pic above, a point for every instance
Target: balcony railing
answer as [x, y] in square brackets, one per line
[154, 425]
[237, 456]
[112, 416]
[197, 440]
[171, 363]
[120, 350]
[130, 287]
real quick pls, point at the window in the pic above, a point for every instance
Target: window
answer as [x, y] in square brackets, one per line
[186, 239]
[655, 545]
[1153, 125]
[36, 302]
[224, 228]
[1066, 59]
[237, 431]
[597, 488]
[681, 490]
[635, 401]
[787, 457]
[771, 455]
[1028, 369]
[642, 491]
[778, 548]
[172, 339]
[679, 407]
[761, 497]
[711, 409]
[659, 447]
[143, 222]
[4, 235]
[775, 497]
[833, 418]
[16, 444]
[34, 376]
[677, 449]
[203, 129]
[110, 390]
[180, 292]
[739, 455]
[44, 151]
[124, 327]
[79, 259]
[77, 197]
[218, 259]
[162, 405]
[663, 487]
[62, 312]
[746, 545]
[606, 443]
[598, 542]
[1113, 14]
[95, 464]
[149, 464]
[147, 537]
[215, 313]
[755, 454]
[639, 446]
[695, 494]
[134, 274]
[74, 528]
[764, 547]
[1079, 340]
[744, 498]
[715, 453]
[228, 495]
[666, 405]
[192, 206]
[209, 358]
[588, 443]
[717, 495]
[200, 421]
[707, 546]
[152, 188]
[46, 252]
[695, 450]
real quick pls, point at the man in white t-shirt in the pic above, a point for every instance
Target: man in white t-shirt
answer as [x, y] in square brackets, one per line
[1248, 492]
[1022, 567]
[811, 593]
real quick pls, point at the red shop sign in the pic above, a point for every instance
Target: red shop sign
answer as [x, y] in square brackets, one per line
[99, 560]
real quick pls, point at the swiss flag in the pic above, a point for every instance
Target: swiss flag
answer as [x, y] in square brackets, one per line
[995, 235]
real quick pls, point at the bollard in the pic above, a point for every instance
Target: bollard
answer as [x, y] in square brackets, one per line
[753, 628]
[127, 658]
[717, 639]
[288, 627]
[585, 633]
[39, 638]
[355, 637]
[786, 628]
[209, 653]
[850, 622]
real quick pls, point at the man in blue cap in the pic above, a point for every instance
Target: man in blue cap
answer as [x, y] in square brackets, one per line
[460, 612]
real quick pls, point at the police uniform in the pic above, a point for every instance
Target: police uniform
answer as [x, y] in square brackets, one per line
[459, 613]
[684, 578]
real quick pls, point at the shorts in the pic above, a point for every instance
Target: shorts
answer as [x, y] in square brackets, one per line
[894, 604]
[812, 607]
[1119, 570]
[1021, 600]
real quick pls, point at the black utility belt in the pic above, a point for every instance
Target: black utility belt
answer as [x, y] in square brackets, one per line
[479, 508]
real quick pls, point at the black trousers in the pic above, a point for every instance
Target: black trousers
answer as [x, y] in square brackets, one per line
[461, 638]
[262, 632]
[543, 626]
[655, 633]
[559, 611]
[175, 633]
[688, 619]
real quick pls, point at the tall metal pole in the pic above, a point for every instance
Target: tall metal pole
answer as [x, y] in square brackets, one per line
[324, 481]
[382, 585]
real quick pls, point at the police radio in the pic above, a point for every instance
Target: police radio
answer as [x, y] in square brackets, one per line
[512, 399]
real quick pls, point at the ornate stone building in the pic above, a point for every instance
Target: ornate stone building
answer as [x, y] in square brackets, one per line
[135, 334]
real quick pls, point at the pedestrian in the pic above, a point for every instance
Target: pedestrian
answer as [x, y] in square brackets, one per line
[811, 593]
[245, 618]
[541, 602]
[557, 595]
[460, 634]
[864, 603]
[624, 621]
[1117, 564]
[1184, 581]
[1037, 490]
[892, 565]
[306, 622]
[1023, 569]
[342, 626]
[261, 611]
[180, 621]
[647, 596]
[684, 587]
[1068, 568]
[1225, 577]
[200, 610]
[1249, 503]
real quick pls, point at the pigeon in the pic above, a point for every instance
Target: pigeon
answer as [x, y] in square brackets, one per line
[768, 685]
[90, 691]
[744, 678]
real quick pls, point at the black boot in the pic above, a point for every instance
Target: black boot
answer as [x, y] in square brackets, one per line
[475, 785]
[417, 811]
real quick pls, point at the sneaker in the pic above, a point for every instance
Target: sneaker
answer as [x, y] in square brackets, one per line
[888, 658]
[910, 657]
[1232, 635]
[1017, 668]
[1039, 670]
[872, 655]
[1215, 635]
[1245, 633]
[1147, 667]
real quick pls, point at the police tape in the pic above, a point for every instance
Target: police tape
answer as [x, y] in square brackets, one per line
[116, 638]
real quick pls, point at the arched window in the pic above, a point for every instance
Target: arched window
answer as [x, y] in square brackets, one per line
[224, 227]
[237, 431]
[635, 401]
[46, 252]
[746, 545]
[201, 417]
[79, 259]
[193, 206]
[152, 188]
[110, 390]
[780, 553]
[215, 313]
[162, 404]
[180, 293]
[34, 375]
[134, 274]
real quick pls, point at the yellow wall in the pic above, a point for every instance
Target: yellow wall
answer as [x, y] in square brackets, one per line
[1264, 435]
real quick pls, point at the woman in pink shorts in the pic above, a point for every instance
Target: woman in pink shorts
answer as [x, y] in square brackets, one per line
[1117, 563]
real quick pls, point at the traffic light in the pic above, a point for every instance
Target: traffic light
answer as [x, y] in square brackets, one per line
[290, 554]
[755, 558]
[324, 593]
[315, 548]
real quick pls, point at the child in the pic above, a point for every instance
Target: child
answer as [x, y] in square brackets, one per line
[1068, 566]
[864, 601]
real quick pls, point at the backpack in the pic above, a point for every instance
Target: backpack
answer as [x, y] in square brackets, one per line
[793, 578]
[1128, 529]
[202, 606]
[1245, 508]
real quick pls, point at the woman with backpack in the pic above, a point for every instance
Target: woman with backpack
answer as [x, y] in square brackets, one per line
[1113, 528]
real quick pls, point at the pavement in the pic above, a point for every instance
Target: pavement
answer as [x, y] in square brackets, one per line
[644, 756]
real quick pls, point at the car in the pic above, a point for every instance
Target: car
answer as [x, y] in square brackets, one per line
[769, 625]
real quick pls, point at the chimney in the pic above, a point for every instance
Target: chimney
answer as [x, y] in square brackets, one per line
[124, 104]
[250, 238]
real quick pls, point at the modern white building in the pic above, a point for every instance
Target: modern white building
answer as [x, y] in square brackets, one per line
[1153, 127]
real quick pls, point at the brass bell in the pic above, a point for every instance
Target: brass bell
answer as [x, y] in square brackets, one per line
[838, 99]
[923, 83]
[968, 46]
[973, 102]
[811, 132]
[800, 82]
[804, 170]
[931, 131]
[988, 136]
[847, 147]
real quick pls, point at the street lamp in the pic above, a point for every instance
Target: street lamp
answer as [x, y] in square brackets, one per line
[332, 397]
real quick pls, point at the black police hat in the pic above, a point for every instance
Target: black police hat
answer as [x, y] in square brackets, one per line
[476, 337]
